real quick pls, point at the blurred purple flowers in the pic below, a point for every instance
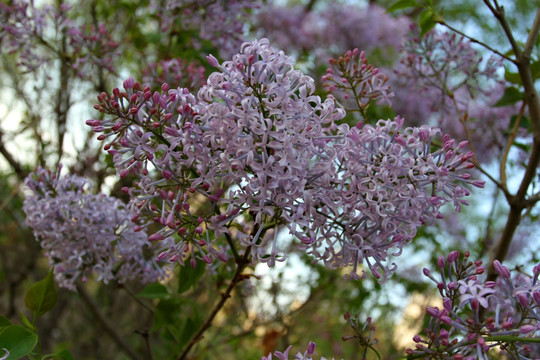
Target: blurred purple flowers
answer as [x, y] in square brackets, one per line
[85, 234]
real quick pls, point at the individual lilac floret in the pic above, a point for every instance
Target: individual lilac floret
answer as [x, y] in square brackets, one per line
[84, 233]
[480, 318]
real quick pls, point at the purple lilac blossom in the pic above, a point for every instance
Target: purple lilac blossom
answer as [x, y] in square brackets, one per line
[257, 149]
[453, 87]
[85, 234]
[219, 21]
[21, 25]
[459, 330]
[295, 29]
[92, 48]
[33, 32]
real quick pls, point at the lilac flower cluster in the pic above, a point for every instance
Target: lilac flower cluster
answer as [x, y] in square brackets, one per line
[353, 81]
[219, 21]
[21, 23]
[84, 233]
[317, 31]
[455, 86]
[479, 315]
[387, 183]
[92, 48]
[33, 33]
[256, 150]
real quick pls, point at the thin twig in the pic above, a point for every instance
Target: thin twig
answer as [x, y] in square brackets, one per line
[240, 266]
[476, 41]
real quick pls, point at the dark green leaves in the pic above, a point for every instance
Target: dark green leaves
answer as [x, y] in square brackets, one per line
[41, 296]
[402, 4]
[154, 291]
[190, 276]
[511, 96]
[18, 340]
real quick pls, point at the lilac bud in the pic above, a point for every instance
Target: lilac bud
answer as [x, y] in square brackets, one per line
[446, 320]
[311, 348]
[536, 297]
[440, 261]
[212, 60]
[156, 237]
[433, 311]
[523, 300]
[447, 303]
[525, 329]
[501, 269]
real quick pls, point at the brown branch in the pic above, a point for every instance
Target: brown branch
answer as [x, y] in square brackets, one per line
[240, 266]
[519, 202]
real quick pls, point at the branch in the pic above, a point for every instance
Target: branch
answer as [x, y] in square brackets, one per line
[518, 202]
[17, 167]
[471, 39]
[224, 296]
[107, 326]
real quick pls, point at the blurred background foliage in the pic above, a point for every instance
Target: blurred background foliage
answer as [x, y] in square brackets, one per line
[42, 114]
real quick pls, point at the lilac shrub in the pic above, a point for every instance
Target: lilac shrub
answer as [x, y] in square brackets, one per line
[256, 144]
[481, 317]
[85, 234]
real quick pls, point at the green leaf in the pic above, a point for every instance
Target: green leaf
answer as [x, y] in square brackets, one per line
[402, 4]
[4, 321]
[18, 340]
[190, 328]
[154, 291]
[167, 312]
[61, 355]
[512, 77]
[41, 296]
[522, 146]
[190, 276]
[524, 123]
[535, 69]
[427, 21]
[511, 96]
